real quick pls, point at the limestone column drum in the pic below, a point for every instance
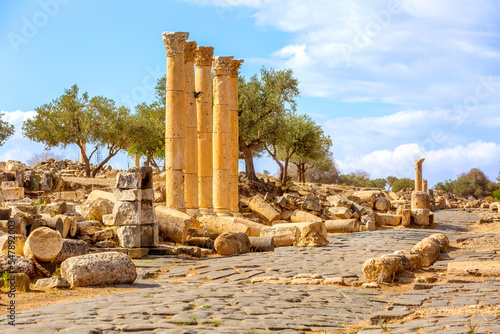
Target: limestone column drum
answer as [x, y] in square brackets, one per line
[418, 174]
[175, 140]
[234, 133]
[203, 86]
[221, 135]
[424, 185]
[191, 171]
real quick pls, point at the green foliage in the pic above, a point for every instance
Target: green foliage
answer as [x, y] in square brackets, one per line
[4, 278]
[57, 272]
[378, 183]
[496, 194]
[404, 183]
[81, 120]
[474, 183]
[6, 130]
[262, 100]
[359, 178]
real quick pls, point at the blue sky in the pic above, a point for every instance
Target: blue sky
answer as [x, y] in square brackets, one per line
[390, 80]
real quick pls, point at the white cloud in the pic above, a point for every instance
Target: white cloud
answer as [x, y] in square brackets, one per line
[439, 165]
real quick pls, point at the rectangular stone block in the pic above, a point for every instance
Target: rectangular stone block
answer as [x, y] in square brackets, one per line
[147, 212]
[20, 178]
[129, 236]
[9, 184]
[149, 235]
[127, 213]
[147, 195]
[146, 173]
[127, 180]
[128, 195]
[13, 194]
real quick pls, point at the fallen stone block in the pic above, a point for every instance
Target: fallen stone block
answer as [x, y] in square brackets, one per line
[312, 234]
[339, 201]
[381, 269]
[265, 210]
[54, 282]
[429, 249]
[20, 281]
[12, 243]
[88, 227]
[414, 257]
[71, 248]
[16, 264]
[387, 219]
[13, 194]
[339, 213]
[342, 226]
[299, 216]
[95, 194]
[44, 244]
[261, 244]
[382, 204]
[421, 217]
[231, 243]
[98, 269]
[442, 240]
[282, 234]
[221, 225]
[173, 224]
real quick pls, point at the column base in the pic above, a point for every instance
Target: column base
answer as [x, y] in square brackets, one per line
[223, 213]
[236, 214]
[192, 212]
[203, 212]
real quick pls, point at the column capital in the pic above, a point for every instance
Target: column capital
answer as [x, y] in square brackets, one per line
[174, 42]
[221, 65]
[419, 161]
[234, 66]
[203, 56]
[189, 49]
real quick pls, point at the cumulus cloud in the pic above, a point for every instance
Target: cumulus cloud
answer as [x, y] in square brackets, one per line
[440, 164]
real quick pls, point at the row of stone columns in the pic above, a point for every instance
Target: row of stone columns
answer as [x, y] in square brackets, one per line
[201, 138]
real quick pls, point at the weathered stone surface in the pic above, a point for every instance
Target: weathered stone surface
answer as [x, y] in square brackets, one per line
[312, 234]
[382, 204]
[95, 194]
[44, 244]
[261, 244]
[406, 217]
[339, 201]
[474, 268]
[147, 214]
[283, 234]
[21, 282]
[381, 269]
[230, 243]
[66, 224]
[220, 225]
[149, 235]
[339, 213]
[129, 236]
[173, 224]
[299, 216]
[429, 249]
[342, 226]
[13, 243]
[420, 200]
[128, 180]
[53, 208]
[54, 282]
[387, 219]
[5, 213]
[263, 209]
[254, 227]
[105, 234]
[442, 240]
[127, 213]
[88, 227]
[368, 195]
[414, 257]
[71, 248]
[421, 217]
[98, 209]
[98, 269]
[16, 264]
[12, 194]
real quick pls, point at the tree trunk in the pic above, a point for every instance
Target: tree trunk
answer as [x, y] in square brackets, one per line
[249, 167]
[99, 167]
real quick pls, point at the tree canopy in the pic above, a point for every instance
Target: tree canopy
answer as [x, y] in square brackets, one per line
[472, 183]
[6, 130]
[81, 120]
[262, 100]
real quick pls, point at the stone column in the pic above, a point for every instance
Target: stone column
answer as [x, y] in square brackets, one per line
[191, 171]
[175, 146]
[203, 86]
[234, 133]
[418, 174]
[424, 186]
[221, 135]
[137, 160]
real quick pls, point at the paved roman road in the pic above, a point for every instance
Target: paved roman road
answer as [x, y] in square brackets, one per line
[220, 297]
